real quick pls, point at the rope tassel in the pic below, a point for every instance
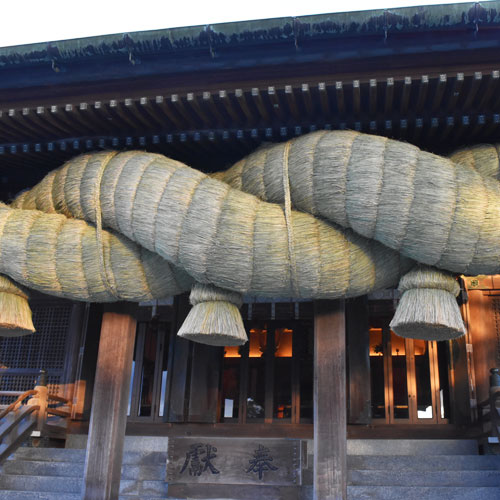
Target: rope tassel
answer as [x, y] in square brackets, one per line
[15, 312]
[428, 308]
[215, 318]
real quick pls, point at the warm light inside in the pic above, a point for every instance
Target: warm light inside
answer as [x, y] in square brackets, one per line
[257, 339]
[283, 339]
[398, 345]
[232, 351]
[419, 347]
[376, 345]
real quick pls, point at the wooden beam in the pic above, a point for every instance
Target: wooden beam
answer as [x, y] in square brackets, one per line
[103, 460]
[330, 429]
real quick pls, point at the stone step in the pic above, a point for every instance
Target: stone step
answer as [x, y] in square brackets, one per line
[354, 446]
[40, 483]
[75, 469]
[78, 456]
[68, 485]
[131, 443]
[143, 489]
[412, 447]
[428, 478]
[40, 495]
[421, 493]
[377, 447]
[423, 463]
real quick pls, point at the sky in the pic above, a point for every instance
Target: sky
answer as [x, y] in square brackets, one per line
[31, 21]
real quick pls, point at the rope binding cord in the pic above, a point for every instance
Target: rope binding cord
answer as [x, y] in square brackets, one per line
[288, 219]
[111, 288]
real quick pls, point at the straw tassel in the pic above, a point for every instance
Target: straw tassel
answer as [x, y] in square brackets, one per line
[15, 312]
[428, 308]
[215, 318]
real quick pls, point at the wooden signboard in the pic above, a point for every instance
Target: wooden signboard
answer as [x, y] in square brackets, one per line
[210, 460]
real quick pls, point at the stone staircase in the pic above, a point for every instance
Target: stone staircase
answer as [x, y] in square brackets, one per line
[56, 474]
[421, 469]
[378, 469]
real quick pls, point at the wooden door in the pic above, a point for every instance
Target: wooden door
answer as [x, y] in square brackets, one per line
[269, 379]
[148, 390]
[409, 379]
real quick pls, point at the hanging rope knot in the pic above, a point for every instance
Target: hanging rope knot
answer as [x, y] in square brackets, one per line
[428, 308]
[215, 318]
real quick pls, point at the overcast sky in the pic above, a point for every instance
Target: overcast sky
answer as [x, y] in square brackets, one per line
[30, 21]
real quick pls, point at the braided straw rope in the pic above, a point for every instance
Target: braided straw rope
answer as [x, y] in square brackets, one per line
[365, 208]
[217, 234]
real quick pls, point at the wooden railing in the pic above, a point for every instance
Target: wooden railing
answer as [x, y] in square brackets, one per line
[28, 415]
[17, 422]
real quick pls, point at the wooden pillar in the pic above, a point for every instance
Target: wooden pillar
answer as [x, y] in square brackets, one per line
[178, 361]
[204, 384]
[358, 348]
[108, 419]
[330, 428]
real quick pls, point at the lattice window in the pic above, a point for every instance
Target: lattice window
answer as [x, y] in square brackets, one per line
[21, 358]
[43, 349]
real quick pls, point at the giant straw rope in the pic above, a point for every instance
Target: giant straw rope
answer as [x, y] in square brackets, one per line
[138, 226]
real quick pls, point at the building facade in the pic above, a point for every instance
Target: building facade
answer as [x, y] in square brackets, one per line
[208, 96]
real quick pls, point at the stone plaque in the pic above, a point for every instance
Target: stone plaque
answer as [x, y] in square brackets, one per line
[208, 460]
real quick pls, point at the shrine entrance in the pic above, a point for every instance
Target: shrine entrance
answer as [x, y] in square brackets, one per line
[409, 379]
[269, 379]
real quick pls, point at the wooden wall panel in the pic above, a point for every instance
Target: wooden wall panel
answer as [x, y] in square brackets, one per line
[484, 329]
[85, 374]
[205, 380]
[358, 352]
[178, 365]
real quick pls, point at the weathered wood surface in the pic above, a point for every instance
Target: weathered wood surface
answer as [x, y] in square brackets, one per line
[240, 492]
[73, 340]
[484, 334]
[358, 335]
[258, 461]
[178, 365]
[103, 460]
[330, 429]
[87, 360]
[204, 386]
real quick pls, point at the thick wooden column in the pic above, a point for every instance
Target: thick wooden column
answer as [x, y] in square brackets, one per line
[108, 419]
[330, 428]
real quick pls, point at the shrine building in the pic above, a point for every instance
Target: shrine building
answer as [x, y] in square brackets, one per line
[324, 400]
